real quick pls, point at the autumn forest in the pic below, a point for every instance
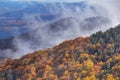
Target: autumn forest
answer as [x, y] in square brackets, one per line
[85, 58]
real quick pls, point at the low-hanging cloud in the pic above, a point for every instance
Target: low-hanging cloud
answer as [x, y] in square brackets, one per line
[109, 8]
[71, 23]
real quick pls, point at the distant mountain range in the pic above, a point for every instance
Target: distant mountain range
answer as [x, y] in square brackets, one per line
[18, 21]
[15, 15]
[22, 8]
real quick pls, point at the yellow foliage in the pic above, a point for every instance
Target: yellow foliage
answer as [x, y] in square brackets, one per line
[110, 77]
[30, 77]
[86, 78]
[48, 68]
[64, 60]
[65, 78]
[67, 55]
[52, 76]
[75, 75]
[92, 77]
[79, 66]
[66, 72]
[84, 72]
[117, 57]
[98, 45]
[78, 79]
[88, 64]
[92, 73]
[33, 71]
[84, 55]
[100, 63]
[71, 47]
[61, 66]
[109, 45]
[49, 62]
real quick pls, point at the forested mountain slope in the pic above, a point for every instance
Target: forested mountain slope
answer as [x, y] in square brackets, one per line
[90, 58]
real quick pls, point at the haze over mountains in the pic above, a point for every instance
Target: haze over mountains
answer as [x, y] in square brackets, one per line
[45, 24]
[18, 17]
[56, 32]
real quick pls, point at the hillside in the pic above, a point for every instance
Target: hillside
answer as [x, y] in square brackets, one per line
[90, 58]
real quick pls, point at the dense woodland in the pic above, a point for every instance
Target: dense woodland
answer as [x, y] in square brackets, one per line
[85, 58]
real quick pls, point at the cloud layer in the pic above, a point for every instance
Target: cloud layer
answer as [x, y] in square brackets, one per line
[109, 8]
[47, 37]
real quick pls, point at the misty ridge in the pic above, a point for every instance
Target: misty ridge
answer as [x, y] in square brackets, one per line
[68, 24]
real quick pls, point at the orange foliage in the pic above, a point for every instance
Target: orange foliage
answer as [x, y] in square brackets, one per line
[110, 77]
[33, 71]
